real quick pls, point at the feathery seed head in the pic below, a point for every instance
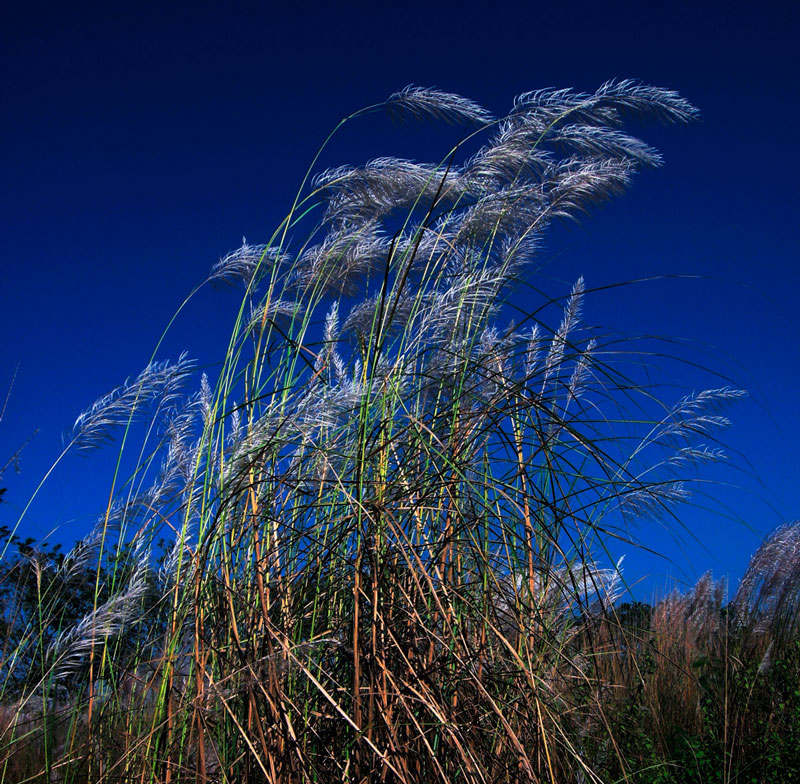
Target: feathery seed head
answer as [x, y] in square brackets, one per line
[156, 386]
[430, 103]
[246, 264]
[769, 593]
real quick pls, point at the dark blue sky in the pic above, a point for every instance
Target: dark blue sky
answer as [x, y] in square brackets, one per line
[141, 142]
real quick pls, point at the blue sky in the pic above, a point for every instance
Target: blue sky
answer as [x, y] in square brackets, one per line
[142, 142]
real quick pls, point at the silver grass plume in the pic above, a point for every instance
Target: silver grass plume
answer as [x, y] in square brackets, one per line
[444, 280]
[606, 104]
[430, 103]
[514, 209]
[247, 264]
[205, 401]
[581, 373]
[697, 414]
[83, 552]
[768, 596]
[594, 141]
[533, 351]
[235, 432]
[68, 651]
[344, 258]
[492, 362]
[652, 499]
[558, 345]
[275, 311]
[510, 157]
[425, 246]
[183, 459]
[693, 455]
[383, 185]
[156, 386]
[576, 184]
[642, 100]
[471, 298]
[518, 156]
[519, 149]
[767, 659]
[368, 316]
[328, 359]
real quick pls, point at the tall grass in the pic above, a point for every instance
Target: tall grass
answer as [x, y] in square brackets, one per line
[706, 690]
[384, 517]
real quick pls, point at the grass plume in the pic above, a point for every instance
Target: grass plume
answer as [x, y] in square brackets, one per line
[382, 522]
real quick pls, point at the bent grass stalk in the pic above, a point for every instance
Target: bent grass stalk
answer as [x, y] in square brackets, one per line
[386, 507]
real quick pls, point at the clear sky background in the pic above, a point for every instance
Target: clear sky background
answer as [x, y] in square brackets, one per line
[141, 141]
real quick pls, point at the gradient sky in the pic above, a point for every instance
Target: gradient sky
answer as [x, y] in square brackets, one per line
[142, 141]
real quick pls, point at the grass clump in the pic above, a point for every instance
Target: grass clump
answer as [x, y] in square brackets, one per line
[710, 691]
[367, 550]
